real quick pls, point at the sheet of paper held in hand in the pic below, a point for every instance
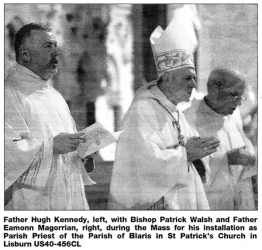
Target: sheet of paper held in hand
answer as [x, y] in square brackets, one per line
[97, 137]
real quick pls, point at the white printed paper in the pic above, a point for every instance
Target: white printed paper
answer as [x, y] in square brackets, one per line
[97, 137]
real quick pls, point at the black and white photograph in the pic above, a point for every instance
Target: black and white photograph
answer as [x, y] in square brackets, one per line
[130, 121]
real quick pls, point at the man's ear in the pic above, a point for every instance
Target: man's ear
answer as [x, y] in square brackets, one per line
[166, 79]
[214, 91]
[25, 55]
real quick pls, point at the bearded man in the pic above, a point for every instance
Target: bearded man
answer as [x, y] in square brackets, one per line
[43, 171]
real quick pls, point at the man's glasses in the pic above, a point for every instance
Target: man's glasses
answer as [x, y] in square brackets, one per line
[238, 97]
[235, 97]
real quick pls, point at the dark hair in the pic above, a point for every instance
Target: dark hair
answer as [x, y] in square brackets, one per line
[223, 77]
[24, 32]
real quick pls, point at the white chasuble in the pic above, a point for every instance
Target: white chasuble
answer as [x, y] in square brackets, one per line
[147, 166]
[230, 187]
[35, 179]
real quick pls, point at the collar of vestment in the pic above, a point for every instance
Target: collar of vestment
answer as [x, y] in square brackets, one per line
[210, 112]
[25, 80]
[151, 91]
[156, 93]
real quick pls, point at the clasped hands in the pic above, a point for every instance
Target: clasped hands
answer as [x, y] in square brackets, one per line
[199, 147]
[240, 156]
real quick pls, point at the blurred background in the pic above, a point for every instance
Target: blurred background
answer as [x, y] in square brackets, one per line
[106, 56]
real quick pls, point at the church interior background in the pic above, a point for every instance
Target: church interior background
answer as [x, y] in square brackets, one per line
[106, 56]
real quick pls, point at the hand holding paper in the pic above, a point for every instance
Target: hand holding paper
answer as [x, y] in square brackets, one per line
[96, 137]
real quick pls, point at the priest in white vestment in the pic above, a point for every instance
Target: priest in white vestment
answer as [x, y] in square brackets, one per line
[42, 169]
[232, 165]
[153, 167]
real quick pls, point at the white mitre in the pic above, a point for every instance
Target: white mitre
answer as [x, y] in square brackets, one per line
[171, 47]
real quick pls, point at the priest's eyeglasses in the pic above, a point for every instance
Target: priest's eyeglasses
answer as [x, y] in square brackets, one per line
[233, 95]
[237, 97]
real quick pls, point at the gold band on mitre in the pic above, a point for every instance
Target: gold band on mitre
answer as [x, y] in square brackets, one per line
[174, 59]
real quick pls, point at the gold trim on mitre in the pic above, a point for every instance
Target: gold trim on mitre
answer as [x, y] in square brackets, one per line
[174, 59]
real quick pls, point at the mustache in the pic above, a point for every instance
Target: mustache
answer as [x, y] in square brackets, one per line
[53, 60]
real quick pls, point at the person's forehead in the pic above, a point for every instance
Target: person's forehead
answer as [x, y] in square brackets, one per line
[186, 71]
[238, 86]
[42, 36]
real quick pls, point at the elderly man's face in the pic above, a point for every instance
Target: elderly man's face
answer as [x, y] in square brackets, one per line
[228, 98]
[43, 51]
[182, 82]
